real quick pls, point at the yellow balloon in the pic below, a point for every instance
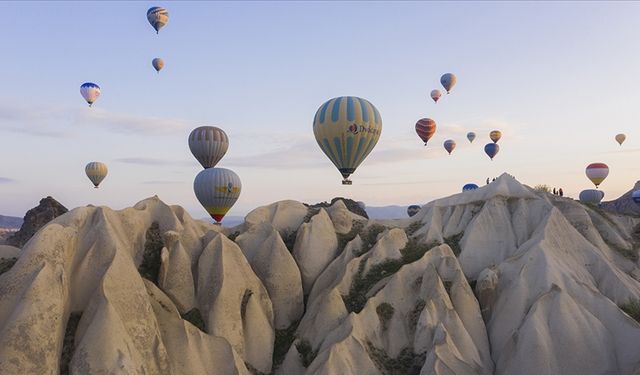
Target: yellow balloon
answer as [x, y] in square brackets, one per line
[495, 135]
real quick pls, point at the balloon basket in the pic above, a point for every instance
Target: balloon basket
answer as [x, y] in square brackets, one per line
[347, 182]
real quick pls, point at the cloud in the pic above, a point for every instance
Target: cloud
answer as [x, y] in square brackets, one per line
[154, 162]
[622, 151]
[126, 123]
[6, 180]
[162, 182]
[300, 154]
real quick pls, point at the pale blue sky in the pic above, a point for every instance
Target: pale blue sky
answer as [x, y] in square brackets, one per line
[559, 79]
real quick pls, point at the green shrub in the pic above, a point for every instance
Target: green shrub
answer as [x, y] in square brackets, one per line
[454, 243]
[289, 239]
[344, 239]
[151, 261]
[306, 352]
[413, 228]
[414, 315]
[311, 212]
[406, 363]
[284, 339]
[385, 313]
[233, 235]
[542, 188]
[369, 238]
[68, 343]
[632, 308]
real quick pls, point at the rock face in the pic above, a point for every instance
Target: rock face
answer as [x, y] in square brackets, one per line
[498, 280]
[350, 204]
[624, 204]
[36, 218]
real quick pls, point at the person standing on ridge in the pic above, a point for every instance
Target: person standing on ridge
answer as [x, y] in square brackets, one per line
[554, 191]
[560, 192]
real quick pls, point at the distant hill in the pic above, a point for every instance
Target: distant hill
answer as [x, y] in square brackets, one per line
[387, 212]
[10, 221]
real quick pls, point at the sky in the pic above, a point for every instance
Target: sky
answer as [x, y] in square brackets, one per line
[559, 79]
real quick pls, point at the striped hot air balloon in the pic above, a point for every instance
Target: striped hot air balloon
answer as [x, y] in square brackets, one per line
[217, 190]
[448, 80]
[96, 171]
[158, 17]
[157, 64]
[90, 92]
[597, 172]
[347, 129]
[469, 187]
[426, 128]
[495, 135]
[413, 209]
[435, 95]
[208, 144]
[449, 145]
[491, 149]
[592, 196]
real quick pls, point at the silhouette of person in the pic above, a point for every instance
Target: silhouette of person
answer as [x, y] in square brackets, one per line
[560, 192]
[554, 191]
[487, 180]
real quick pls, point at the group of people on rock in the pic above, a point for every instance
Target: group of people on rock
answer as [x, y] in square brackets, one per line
[558, 192]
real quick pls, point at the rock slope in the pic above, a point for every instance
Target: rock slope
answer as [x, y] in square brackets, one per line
[498, 280]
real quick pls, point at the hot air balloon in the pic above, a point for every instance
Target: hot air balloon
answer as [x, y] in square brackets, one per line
[471, 136]
[158, 17]
[469, 187]
[491, 149]
[158, 64]
[636, 196]
[597, 172]
[347, 128]
[449, 145]
[362, 205]
[90, 92]
[413, 209]
[208, 144]
[448, 80]
[96, 171]
[592, 196]
[217, 189]
[620, 138]
[435, 95]
[425, 127]
[495, 135]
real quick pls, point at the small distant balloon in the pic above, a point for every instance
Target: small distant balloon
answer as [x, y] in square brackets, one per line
[158, 17]
[158, 64]
[96, 171]
[217, 189]
[597, 172]
[449, 145]
[620, 138]
[636, 196]
[413, 209]
[495, 135]
[90, 92]
[592, 196]
[426, 128]
[469, 187]
[208, 144]
[362, 205]
[435, 95]
[491, 149]
[448, 80]
[471, 136]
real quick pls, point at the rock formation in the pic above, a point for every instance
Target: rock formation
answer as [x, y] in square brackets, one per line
[36, 218]
[624, 204]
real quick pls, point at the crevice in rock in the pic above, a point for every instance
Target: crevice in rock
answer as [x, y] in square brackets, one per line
[68, 344]
[194, 317]
[151, 261]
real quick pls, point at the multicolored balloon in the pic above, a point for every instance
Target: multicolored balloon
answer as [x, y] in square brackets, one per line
[636, 196]
[471, 136]
[592, 196]
[495, 135]
[435, 95]
[469, 187]
[491, 149]
[426, 128]
[597, 172]
[158, 17]
[412, 210]
[620, 138]
[208, 144]
[449, 145]
[347, 129]
[448, 80]
[96, 171]
[217, 190]
[90, 92]
[157, 64]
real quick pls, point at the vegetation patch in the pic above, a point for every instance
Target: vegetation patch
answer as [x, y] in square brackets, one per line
[454, 243]
[151, 260]
[194, 317]
[245, 300]
[284, 339]
[413, 228]
[632, 308]
[542, 188]
[417, 282]
[306, 352]
[385, 313]
[289, 239]
[68, 343]
[414, 250]
[344, 239]
[311, 212]
[406, 363]
[233, 235]
[369, 238]
[414, 315]
[6, 264]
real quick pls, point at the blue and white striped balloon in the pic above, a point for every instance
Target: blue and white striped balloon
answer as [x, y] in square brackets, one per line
[158, 17]
[592, 196]
[90, 92]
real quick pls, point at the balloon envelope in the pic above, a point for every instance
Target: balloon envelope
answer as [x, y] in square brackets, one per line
[448, 80]
[449, 145]
[636, 196]
[158, 64]
[217, 190]
[597, 172]
[425, 127]
[158, 17]
[435, 95]
[495, 135]
[96, 171]
[413, 209]
[468, 187]
[620, 138]
[347, 129]
[591, 196]
[491, 149]
[471, 136]
[208, 144]
[90, 92]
